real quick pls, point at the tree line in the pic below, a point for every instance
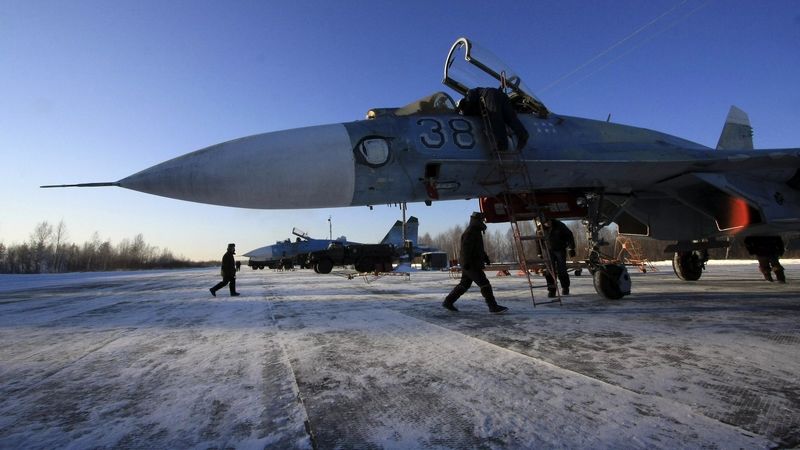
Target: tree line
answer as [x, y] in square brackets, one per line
[48, 250]
[500, 244]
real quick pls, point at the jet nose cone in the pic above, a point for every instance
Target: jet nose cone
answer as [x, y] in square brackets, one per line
[301, 168]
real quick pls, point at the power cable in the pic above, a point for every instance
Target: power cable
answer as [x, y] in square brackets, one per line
[615, 45]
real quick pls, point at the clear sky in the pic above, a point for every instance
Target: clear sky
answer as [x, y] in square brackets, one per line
[94, 91]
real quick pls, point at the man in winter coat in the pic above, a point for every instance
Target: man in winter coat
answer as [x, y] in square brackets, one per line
[768, 250]
[472, 259]
[559, 240]
[228, 272]
[500, 111]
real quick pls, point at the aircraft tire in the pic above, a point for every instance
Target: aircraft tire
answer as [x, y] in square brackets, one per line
[612, 281]
[687, 266]
[324, 266]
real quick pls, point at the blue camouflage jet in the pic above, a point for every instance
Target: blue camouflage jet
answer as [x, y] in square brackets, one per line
[647, 182]
[287, 254]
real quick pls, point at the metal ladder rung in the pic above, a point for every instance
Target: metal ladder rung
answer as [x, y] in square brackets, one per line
[557, 300]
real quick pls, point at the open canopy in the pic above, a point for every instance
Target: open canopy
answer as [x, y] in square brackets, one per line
[460, 74]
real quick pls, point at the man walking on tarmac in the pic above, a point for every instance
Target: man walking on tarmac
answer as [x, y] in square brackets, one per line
[768, 250]
[228, 272]
[472, 259]
[559, 239]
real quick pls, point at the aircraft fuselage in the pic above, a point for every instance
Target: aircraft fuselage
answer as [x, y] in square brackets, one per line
[416, 158]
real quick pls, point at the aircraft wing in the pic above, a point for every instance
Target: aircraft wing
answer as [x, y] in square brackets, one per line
[757, 191]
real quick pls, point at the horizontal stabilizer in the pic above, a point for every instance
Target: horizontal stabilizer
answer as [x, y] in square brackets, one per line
[105, 184]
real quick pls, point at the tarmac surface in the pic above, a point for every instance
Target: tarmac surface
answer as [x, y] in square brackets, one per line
[300, 360]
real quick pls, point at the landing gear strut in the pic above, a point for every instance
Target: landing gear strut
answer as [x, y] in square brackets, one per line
[611, 281]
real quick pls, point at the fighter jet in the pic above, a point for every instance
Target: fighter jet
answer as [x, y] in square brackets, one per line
[289, 252]
[286, 254]
[647, 182]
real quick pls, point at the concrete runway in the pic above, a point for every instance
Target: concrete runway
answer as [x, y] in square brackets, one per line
[151, 360]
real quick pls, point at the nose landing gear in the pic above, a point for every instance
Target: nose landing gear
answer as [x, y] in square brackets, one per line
[611, 281]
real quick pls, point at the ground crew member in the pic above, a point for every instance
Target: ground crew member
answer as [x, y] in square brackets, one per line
[472, 259]
[228, 272]
[767, 249]
[559, 240]
[501, 114]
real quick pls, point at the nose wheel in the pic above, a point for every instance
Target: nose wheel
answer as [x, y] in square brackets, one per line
[611, 280]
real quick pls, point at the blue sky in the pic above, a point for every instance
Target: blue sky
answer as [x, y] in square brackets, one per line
[96, 90]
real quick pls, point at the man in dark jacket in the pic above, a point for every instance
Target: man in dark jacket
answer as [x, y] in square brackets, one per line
[228, 272]
[501, 114]
[559, 239]
[472, 259]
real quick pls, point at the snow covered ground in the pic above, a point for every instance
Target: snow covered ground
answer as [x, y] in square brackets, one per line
[300, 360]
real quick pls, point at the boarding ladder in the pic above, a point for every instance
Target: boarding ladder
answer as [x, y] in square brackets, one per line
[508, 164]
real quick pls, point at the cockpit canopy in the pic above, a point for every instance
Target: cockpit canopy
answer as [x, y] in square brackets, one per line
[460, 75]
[436, 103]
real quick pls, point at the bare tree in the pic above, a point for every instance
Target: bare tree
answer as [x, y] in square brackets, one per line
[426, 239]
[40, 241]
[105, 255]
[47, 250]
[453, 240]
[60, 237]
[137, 251]
[499, 246]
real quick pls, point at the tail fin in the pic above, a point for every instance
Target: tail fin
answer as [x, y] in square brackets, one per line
[395, 234]
[412, 229]
[737, 134]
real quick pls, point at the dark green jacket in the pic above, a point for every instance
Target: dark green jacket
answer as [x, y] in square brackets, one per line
[560, 237]
[473, 255]
[228, 265]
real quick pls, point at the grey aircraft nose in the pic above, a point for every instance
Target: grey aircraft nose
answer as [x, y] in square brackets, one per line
[309, 167]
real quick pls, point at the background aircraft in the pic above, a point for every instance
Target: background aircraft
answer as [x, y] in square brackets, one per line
[649, 183]
[295, 252]
[286, 254]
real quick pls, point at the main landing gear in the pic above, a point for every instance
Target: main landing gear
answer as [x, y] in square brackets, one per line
[689, 265]
[690, 257]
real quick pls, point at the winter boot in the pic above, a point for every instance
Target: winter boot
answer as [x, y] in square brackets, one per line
[232, 287]
[494, 308]
[779, 274]
[213, 292]
[451, 298]
[767, 274]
